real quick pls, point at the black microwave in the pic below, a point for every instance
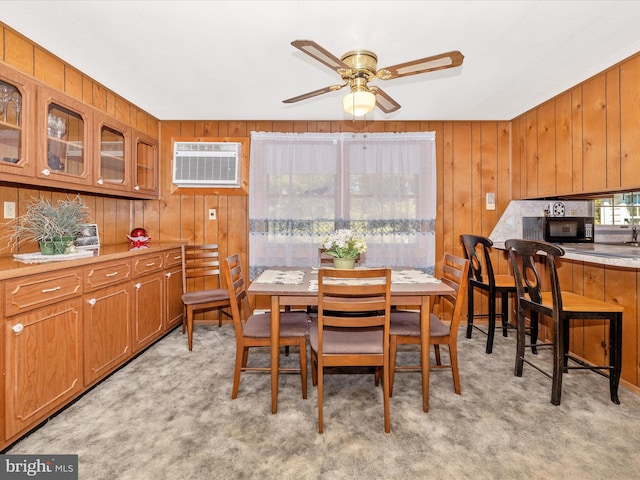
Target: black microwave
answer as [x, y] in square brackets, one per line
[558, 229]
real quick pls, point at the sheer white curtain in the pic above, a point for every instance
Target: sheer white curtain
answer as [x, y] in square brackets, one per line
[303, 186]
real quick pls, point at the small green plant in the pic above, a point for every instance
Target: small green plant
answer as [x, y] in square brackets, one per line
[45, 222]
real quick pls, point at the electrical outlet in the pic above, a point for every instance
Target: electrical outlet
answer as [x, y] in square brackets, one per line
[9, 209]
[491, 201]
[212, 214]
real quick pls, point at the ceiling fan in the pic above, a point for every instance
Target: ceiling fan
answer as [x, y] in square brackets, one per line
[358, 67]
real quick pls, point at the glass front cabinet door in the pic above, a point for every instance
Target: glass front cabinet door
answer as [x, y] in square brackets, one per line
[114, 143]
[145, 165]
[64, 125]
[17, 107]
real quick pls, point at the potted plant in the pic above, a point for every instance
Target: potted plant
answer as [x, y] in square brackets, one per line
[53, 227]
[345, 247]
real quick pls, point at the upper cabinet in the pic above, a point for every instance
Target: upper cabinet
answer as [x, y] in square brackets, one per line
[17, 113]
[64, 137]
[113, 155]
[50, 139]
[145, 164]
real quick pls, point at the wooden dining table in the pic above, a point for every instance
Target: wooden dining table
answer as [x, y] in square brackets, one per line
[294, 287]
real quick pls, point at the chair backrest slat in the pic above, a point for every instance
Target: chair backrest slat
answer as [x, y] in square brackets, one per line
[476, 250]
[200, 267]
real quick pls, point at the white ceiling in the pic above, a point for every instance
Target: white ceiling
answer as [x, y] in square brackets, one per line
[232, 60]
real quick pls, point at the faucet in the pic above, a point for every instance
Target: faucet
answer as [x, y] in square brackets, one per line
[634, 234]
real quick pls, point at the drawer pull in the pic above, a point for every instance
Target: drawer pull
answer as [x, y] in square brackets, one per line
[169, 275]
[48, 290]
[150, 264]
[17, 328]
[177, 257]
[111, 274]
[138, 285]
[92, 302]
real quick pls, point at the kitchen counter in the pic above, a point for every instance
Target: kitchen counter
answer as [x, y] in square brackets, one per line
[11, 268]
[616, 255]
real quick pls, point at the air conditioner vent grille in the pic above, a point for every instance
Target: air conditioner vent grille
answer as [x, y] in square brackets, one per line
[203, 164]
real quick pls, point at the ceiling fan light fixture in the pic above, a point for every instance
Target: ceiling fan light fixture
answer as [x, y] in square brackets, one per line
[358, 103]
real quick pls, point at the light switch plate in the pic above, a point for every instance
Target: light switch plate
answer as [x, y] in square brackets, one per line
[9, 209]
[491, 201]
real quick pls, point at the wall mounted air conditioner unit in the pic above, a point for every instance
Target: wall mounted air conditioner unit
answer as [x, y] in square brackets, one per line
[206, 164]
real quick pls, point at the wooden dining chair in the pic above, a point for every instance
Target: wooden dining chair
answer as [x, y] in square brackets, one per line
[482, 278]
[443, 325]
[535, 267]
[201, 286]
[254, 330]
[340, 339]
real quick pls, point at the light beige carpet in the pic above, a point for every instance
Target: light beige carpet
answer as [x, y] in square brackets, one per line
[169, 415]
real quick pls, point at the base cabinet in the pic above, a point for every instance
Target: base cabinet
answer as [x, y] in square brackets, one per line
[43, 363]
[69, 327]
[107, 331]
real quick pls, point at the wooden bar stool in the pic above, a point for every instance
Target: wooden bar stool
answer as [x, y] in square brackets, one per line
[476, 249]
[562, 307]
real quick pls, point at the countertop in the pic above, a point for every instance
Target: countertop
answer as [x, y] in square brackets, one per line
[616, 255]
[11, 268]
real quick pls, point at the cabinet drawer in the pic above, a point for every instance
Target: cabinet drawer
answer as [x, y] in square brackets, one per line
[174, 257]
[101, 275]
[26, 293]
[147, 264]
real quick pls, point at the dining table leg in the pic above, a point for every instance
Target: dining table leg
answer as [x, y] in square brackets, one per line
[424, 349]
[275, 350]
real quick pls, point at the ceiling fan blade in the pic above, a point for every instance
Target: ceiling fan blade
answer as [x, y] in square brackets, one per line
[314, 50]
[315, 93]
[383, 101]
[428, 64]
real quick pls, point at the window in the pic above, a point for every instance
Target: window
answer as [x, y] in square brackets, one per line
[618, 209]
[304, 186]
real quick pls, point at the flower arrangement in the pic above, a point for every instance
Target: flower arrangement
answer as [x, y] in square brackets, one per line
[344, 244]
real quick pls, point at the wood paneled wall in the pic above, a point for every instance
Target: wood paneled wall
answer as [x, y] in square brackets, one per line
[585, 140]
[472, 159]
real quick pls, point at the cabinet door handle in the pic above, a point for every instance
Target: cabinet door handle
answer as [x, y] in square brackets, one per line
[17, 328]
[136, 188]
[100, 182]
[138, 285]
[111, 274]
[92, 302]
[168, 274]
[46, 172]
[48, 290]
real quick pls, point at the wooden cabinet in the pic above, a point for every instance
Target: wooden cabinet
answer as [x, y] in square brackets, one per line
[173, 289]
[17, 121]
[43, 363]
[148, 299]
[50, 139]
[69, 327]
[145, 164]
[107, 318]
[64, 133]
[113, 154]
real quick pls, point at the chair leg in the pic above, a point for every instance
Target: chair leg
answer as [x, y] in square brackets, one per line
[504, 306]
[534, 334]
[393, 348]
[386, 392]
[320, 394]
[184, 319]
[303, 365]
[190, 327]
[240, 356]
[314, 368]
[491, 329]
[470, 312]
[520, 341]
[453, 354]
[558, 359]
[615, 356]
[436, 351]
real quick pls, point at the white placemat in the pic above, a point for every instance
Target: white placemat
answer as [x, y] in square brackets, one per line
[281, 277]
[37, 257]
